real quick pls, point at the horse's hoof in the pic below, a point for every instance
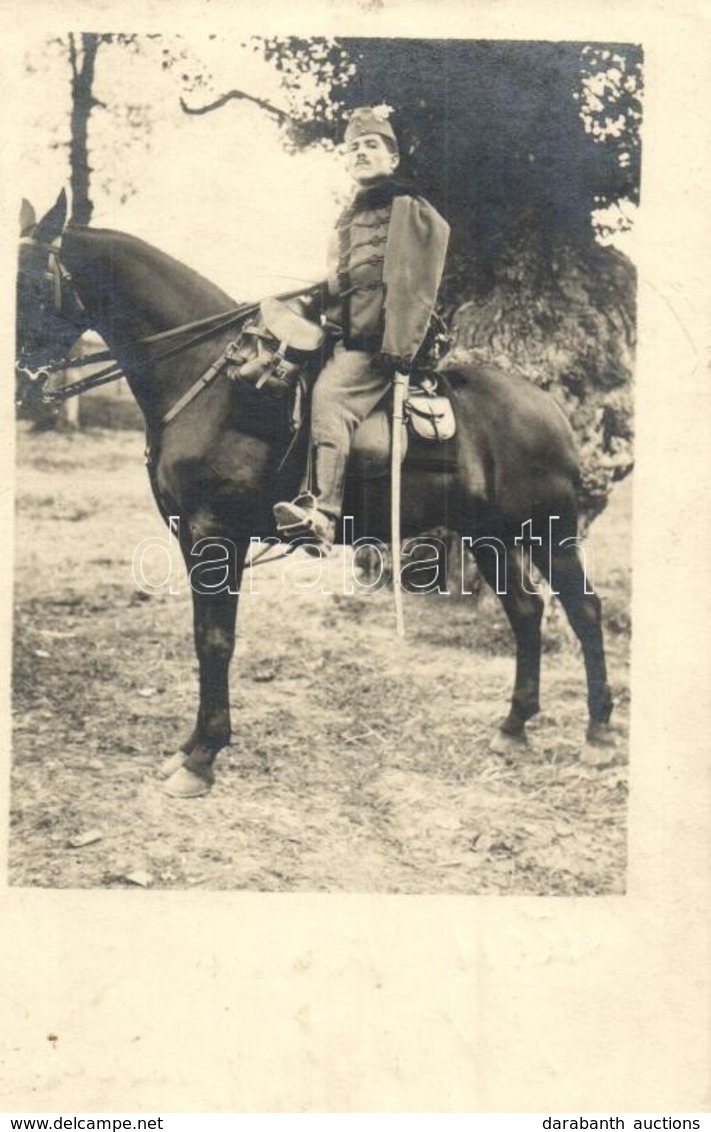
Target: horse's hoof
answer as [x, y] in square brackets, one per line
[505, 744]
[597, 756]
[601, 746]
[185, 783]
[170, 765]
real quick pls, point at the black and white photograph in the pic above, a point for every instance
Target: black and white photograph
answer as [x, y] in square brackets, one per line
[356, 444]
[429, 688]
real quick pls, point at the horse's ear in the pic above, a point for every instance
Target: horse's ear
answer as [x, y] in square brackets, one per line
[27, 217]
[51, 225]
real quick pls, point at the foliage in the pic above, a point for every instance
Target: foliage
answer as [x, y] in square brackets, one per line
[571, 330]
[490, 130]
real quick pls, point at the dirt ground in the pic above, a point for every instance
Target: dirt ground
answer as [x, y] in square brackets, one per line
[358, 763]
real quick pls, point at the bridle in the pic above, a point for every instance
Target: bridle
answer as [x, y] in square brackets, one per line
[68, 306]
[64, 303]
[60, 280]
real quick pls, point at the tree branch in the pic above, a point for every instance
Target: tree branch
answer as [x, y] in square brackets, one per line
[73, 54]
[281, 115]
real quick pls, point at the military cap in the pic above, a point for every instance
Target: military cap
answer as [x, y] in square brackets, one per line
[370, 120]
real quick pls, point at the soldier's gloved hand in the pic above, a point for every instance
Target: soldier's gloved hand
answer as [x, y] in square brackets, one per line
[390, 364]
[313, 302]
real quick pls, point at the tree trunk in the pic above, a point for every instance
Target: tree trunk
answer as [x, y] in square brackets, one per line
[564, 317]
[82, 62]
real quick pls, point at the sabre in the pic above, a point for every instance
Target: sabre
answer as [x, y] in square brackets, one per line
[400, 382]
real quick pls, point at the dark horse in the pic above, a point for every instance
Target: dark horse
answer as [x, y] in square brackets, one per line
[513, 480]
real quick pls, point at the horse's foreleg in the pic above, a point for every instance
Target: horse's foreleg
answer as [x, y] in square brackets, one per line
[524, 610]
[214, 617]
[584, 612]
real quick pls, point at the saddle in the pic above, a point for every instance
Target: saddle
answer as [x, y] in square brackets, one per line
[279, 348]
[281, 352]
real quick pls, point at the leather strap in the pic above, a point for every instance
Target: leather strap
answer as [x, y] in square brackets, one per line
[202, 382]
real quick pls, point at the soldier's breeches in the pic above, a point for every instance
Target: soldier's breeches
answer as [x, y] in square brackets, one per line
[347, 390]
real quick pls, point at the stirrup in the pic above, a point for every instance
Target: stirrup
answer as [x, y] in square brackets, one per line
[306, 500]
[294, 521]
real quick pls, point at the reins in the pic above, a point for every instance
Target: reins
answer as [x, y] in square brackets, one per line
[208, 327]
[205, 329]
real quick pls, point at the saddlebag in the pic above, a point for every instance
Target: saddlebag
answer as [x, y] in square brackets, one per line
[276, 348]
[429, 415]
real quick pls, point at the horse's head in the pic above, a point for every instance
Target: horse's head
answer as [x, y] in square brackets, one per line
[49, 314]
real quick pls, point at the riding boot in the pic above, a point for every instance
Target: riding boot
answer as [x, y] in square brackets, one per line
[328, 474]
[312, 515]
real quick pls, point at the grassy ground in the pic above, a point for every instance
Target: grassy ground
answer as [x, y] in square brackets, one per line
[358, 763]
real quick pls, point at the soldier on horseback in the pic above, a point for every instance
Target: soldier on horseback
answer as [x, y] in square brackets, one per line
[385, 263]
[517, 467]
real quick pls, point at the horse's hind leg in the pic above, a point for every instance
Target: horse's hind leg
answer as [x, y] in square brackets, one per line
[584, 612]
[524, 610]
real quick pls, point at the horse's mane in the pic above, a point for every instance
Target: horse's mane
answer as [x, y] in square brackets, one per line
[95, 242]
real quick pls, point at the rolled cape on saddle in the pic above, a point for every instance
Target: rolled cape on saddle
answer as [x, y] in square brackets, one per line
[412, 271]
